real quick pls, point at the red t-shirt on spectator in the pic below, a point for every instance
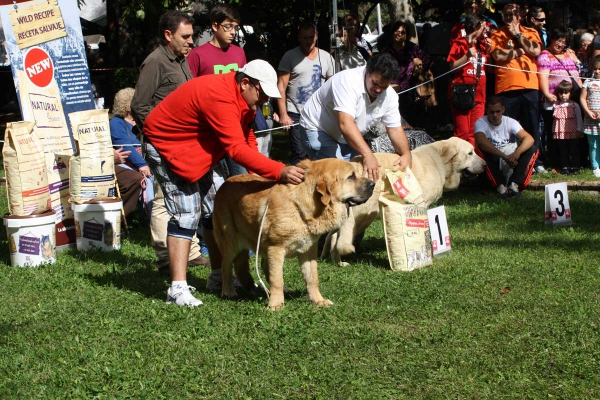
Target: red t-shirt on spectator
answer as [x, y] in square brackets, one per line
[468, 73]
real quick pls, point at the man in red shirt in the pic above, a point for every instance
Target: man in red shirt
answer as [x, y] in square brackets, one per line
[191, 130]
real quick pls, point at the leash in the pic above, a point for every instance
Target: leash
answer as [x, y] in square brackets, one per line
[262, 223]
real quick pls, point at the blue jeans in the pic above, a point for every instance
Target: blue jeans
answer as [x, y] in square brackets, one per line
[296, 133]
[319, 145]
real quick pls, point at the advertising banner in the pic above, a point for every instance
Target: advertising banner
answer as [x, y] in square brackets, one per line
[46, 50]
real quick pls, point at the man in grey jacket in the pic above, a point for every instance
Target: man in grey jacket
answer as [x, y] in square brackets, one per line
[163, 71]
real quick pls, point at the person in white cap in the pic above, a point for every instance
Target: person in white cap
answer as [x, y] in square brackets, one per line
[191, 130]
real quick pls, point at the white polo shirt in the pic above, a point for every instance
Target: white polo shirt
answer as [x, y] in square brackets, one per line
[346, 92]
[499, 135]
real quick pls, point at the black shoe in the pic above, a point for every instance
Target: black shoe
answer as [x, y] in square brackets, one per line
[574, 171]
[565, 171]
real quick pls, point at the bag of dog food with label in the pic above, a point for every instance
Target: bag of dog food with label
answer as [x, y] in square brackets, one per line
[404, 185]
[26, 174]
[405, 222]
[92, 168]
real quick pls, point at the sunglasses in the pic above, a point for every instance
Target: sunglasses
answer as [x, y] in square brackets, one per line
[540, 19]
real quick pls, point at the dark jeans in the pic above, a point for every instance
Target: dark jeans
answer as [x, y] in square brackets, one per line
[524, 106]
[551, 156]
[295, 132]
[521, 173]
[569, 152]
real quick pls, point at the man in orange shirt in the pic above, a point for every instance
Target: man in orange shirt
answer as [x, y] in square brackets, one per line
[516, 48]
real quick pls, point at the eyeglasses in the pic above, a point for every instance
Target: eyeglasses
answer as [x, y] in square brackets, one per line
[540, 19]
[229, 27]
[261, 94]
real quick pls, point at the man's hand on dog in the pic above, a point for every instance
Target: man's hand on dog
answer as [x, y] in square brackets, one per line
[292, 174]
[403, 162]
[370, 167]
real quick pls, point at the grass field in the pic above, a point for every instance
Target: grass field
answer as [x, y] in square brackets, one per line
[95, 325]
[512, 312]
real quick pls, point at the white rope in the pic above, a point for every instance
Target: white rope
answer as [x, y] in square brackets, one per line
[531, 72]
[485, 64]
[436, 77]
[262, 223]
[274, 129]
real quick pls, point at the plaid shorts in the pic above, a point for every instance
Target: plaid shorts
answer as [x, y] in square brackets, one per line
[183, 200]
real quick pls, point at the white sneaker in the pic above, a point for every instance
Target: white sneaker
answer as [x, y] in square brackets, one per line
[540, 170]
[182, 296]
[513, 190]
[502, 191]
[596, 172]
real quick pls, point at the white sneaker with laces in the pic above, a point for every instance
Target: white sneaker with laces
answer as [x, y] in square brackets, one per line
[540, 170]
[596, 172]
[182, 296]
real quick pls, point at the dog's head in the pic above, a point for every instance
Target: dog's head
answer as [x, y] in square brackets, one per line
[461, 160]
[336, 181]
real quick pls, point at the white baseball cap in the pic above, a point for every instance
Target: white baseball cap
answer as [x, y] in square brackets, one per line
[265, 74]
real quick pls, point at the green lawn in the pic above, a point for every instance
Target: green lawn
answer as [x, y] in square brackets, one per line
[96, 326]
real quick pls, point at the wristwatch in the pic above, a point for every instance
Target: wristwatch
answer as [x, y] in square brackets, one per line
[518, 36]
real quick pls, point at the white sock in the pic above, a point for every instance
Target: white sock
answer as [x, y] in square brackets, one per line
[179, 284]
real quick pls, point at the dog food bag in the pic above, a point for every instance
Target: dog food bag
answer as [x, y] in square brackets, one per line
[25, 166]
[404, 185]
[92, 168]
[407, 237]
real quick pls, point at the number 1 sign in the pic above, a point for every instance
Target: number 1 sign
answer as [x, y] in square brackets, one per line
[558, 211]
[438, 228]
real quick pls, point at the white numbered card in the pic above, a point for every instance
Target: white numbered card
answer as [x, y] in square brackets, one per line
[558, 210]
[438, 228]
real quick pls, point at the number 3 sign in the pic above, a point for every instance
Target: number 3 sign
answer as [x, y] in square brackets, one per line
[438, 228]
[558, 211]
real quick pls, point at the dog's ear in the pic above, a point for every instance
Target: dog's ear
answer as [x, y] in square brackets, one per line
[449, 150]
[323, 190]
[304, 164]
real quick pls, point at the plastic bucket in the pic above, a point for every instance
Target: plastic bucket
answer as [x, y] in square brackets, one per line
[98, 225]
[31, 239]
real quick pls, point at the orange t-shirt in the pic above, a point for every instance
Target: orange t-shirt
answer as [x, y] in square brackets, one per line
[508, 79]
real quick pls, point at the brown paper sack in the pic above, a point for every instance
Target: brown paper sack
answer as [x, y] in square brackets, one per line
[405, 225]
[25, 166]
[92, 168]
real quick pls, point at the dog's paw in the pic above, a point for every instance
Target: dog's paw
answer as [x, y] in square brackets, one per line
[343, 264]
[231, 293]
[324, 303]
[275, 307]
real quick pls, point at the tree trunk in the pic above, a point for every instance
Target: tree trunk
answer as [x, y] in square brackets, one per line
[401, 10]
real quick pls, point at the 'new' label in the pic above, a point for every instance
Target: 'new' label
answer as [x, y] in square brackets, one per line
[38, 67]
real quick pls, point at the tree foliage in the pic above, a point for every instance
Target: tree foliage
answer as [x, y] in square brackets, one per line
[132, 25]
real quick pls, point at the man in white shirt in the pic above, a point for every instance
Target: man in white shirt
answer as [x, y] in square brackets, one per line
[507, 148]
[340, 113]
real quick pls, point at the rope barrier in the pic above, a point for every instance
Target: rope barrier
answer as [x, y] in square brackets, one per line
[487, 65]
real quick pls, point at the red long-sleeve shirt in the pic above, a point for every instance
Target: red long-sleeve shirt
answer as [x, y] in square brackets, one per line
[200, 122]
